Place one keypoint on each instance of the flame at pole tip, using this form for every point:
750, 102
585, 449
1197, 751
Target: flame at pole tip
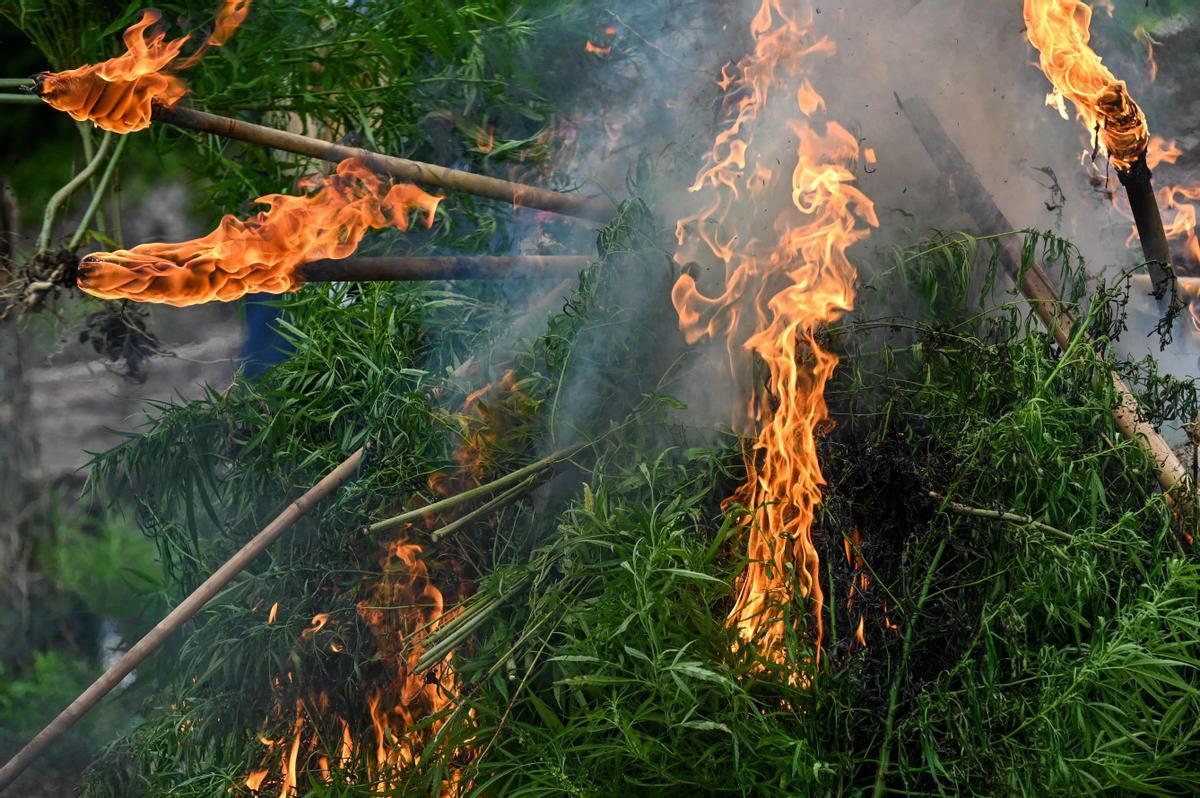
1060, 30
118, 94
264, 252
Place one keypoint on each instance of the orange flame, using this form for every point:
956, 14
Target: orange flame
118, 94
485, 139
401, 608
1060, 31
264, 252
779, 289
859, 583
229, 19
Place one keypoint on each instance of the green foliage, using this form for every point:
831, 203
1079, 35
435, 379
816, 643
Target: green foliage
111, 568
1048, 668
427, 82
625, 675
1020, 663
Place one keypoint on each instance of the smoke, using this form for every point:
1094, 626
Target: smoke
636, 84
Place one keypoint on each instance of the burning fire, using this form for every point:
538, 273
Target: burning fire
264, 252
858, 584
782, 283
118, 94
1061, 30
602, 45
402, 606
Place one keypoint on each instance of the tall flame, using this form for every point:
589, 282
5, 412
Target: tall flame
118, 94
782, 282
1061, 31
264, 252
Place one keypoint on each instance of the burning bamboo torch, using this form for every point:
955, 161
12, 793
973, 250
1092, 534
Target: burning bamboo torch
127, 93
1060, 31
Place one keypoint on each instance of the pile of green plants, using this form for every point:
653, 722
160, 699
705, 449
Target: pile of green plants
1001, 657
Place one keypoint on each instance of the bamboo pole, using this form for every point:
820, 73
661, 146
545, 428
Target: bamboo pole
450, 267
1036, 286
505, 481
399, 168
156, 637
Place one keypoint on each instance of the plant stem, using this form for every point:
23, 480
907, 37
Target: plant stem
482, 510
70, 188
475, 493
999, 515
89, 152
894, 692
98, 195
15, 83
448, 637
19, 99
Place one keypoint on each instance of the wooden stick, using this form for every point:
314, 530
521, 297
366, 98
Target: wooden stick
399, 168
1011, 518
155, 638
1036, 286
1139, 188
450, 267
505, 481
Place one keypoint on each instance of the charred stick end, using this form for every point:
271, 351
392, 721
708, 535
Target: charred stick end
1157, 252
38, 87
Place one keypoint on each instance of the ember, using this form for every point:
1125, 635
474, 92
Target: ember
264, 252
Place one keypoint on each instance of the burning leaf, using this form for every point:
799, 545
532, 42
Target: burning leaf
118, 94
264, 252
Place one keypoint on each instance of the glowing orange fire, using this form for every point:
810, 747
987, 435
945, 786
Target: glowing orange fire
402, 606
1061, 30
118, 94
782, 282
858, 584
264, 252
